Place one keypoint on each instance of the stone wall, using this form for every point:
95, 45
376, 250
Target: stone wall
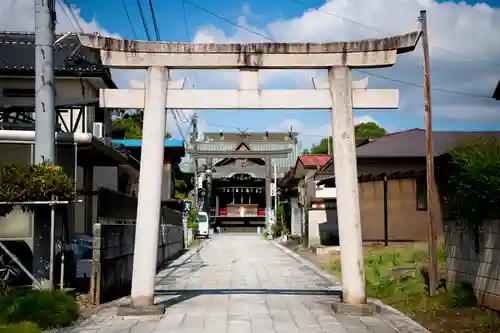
476, 262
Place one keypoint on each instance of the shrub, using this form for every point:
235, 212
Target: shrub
278, 229
25, 327
462, 296
192, 222
472, 188
47, 309
39, 182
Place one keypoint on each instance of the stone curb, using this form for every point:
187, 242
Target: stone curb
336, 282
182, 259
321, 272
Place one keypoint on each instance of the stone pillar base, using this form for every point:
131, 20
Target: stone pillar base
150, 310
368, 309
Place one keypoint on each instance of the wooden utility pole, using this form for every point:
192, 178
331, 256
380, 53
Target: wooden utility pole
194, 141
433, 264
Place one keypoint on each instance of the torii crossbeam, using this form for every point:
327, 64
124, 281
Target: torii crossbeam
341, 96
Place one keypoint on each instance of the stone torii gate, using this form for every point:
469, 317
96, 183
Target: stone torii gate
340, 97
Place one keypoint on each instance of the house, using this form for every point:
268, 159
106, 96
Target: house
173, 152
392, 183
82, 144
293, 188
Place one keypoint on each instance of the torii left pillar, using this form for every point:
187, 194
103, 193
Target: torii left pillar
150, 188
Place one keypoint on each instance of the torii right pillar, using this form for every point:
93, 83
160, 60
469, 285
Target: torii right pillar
348, 214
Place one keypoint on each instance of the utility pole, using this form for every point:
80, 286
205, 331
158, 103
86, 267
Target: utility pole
194, 141
45, 122
45, 114
433, 264
275, 193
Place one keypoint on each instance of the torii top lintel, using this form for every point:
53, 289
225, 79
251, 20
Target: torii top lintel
121, 53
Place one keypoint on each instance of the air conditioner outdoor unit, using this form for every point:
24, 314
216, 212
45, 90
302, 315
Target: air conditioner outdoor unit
98, 130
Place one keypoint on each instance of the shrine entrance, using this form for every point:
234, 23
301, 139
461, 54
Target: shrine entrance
341, 96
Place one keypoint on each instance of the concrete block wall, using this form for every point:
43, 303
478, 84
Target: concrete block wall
479, 267
113, 257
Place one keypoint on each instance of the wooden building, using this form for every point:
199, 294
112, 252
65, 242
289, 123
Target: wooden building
392, 184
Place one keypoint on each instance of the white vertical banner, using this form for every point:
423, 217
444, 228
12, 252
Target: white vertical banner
273, 189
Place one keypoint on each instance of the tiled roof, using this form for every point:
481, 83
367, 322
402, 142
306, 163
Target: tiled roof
411, 143
314, 160
496, 93
17, 52
250, 137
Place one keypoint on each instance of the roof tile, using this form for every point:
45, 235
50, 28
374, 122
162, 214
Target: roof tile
411, 143
314, 160
18, 54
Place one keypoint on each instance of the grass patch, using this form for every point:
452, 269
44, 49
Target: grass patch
20, 328
397, 275
45, 309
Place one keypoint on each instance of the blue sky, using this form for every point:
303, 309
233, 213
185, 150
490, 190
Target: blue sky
452, 111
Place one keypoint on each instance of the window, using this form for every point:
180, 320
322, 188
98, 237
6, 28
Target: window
202, 218
421, 193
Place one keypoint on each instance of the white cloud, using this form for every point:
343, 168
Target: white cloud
323, 131
466, 29
471, 30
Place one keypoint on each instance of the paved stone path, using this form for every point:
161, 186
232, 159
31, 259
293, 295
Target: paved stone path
244, 284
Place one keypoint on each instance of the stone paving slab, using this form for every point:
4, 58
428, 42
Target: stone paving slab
240, 283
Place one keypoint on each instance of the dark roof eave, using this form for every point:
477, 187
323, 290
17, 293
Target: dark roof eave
104, 75
496, 93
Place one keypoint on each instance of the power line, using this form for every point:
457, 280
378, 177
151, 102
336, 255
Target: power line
360, 71
186, 24
72, 13
155, 24
67, 16
229, 21
387, 32
143, 20
421, 86
129, 19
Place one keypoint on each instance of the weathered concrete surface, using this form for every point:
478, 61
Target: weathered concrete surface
402, 43
370, 53
242, 283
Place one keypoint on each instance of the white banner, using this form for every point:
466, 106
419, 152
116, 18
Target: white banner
273, 189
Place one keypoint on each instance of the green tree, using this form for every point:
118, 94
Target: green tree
128, 125
362, 132
322, 147
369, 130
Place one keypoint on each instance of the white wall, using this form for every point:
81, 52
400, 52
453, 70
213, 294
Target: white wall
326, 192
68, 90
